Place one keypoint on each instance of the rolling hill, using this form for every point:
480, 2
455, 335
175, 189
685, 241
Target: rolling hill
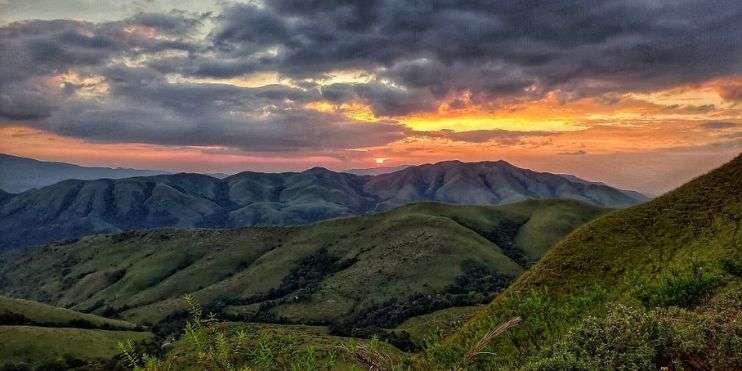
19, 174
75, 208
654, 285
42, 335
366, 271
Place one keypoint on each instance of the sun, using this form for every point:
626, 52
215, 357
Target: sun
380, 160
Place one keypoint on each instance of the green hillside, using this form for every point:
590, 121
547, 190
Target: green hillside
29, 312
654, 285
42, 345
367, 271
37, 334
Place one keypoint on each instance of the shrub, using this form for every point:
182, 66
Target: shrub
630, 338
683, 287
212, 345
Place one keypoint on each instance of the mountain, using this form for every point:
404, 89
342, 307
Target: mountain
655, 285
49, 337
377, 170
486, 183
365, 271
18, 174
4, 196
630, 193
75, 208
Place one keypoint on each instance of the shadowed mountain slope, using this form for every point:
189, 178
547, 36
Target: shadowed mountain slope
75, 208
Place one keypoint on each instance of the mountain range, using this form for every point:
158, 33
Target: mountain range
18, 174
74, 208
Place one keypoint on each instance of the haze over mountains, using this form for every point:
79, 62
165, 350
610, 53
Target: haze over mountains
74, 208
18, 174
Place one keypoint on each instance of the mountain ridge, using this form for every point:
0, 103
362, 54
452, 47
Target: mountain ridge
74, 208
19, 174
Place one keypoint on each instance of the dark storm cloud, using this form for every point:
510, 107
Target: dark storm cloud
555, 44
176, 23
272, 131
417, 54
385, 100
149, 109
33, 52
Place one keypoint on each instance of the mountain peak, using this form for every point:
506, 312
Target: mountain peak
473, 163
318, 170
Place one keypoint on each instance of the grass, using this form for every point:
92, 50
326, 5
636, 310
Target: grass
209, 344
434, 326
38, 334
51, 316
600, 266
43, 344
140, 276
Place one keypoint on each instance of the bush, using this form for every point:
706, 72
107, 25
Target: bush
212, 345
476, 277
682, 287
637, 339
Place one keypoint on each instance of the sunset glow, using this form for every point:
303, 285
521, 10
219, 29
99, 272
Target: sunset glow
189, 92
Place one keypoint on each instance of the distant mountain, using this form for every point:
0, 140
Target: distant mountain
487, 183
18, 174
323, 273
75, 208
377, 170
4, 196
630, 193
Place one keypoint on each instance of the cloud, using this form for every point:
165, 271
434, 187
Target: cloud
560, 45
573, 153
417, 55
483, 136
716, 125
690, 108
731, 91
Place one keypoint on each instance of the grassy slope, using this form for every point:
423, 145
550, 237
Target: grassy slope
428, 327
39, 344
698, 222
417, 248
56, 317
278, 347
54, 333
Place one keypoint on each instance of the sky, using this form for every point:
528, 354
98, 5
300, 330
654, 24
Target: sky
639, 94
